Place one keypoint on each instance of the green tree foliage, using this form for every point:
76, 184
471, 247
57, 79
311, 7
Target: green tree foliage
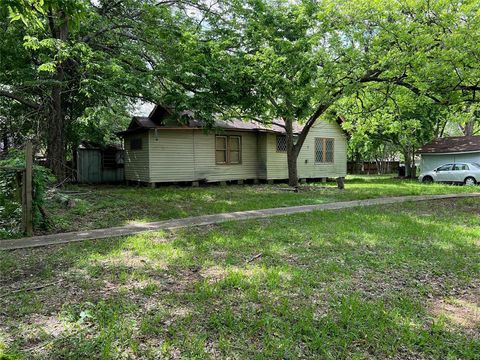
281, 60
10, 193
397, 118
66, 61
272, 60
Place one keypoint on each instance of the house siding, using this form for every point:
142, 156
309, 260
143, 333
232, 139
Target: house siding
262, 156
137, 161
307, 168
206, 168
189, 155
171, 155
432, 161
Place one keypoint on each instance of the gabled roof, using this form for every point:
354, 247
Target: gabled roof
160, 118
454, 144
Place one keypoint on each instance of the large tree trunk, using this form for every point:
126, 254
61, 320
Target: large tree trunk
409, 164
292, 168
408, 169
56, 141
292, 155
56, 148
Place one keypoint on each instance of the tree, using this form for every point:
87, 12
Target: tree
404, 121
68, 56
282, 61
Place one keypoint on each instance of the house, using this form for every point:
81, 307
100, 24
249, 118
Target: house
449, 150
159, 149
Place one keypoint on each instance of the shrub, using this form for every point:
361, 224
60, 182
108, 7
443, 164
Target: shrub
10, 193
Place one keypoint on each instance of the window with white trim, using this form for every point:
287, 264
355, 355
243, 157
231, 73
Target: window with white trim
324, 149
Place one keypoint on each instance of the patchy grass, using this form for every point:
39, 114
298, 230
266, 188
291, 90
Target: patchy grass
106, 206
397, 281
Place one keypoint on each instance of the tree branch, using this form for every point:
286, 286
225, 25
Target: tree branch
21, 100
90, 37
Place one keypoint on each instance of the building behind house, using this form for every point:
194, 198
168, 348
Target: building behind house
449, 150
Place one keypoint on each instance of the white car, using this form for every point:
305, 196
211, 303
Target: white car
465, 173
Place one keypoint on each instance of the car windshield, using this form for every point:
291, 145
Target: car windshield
476, 165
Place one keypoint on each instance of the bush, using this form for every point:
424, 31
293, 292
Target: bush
10, 194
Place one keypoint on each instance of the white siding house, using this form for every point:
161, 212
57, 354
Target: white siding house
158, 150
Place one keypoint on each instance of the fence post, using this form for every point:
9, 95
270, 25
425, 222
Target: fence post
27, 189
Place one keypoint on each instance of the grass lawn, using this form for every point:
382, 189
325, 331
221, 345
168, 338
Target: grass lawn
398, 281
105, 206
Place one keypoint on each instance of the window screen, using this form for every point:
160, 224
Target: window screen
329, 150
281, 143
221, 149
324, 150
234, 149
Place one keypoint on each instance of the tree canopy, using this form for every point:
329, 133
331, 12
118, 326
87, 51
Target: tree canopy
69, 65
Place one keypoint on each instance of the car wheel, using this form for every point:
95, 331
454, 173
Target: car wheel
427, 180
470, 181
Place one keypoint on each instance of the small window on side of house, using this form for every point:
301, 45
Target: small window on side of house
324, 150
234, 149
220, 149
136, 144
281, 143
228, 149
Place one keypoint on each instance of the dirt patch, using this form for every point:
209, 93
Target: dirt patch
214, 274
462, 310
127, 259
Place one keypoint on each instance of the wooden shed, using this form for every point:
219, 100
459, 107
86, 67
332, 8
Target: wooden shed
97, 164
158, 149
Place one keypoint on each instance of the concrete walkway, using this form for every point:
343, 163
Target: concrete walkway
208, 219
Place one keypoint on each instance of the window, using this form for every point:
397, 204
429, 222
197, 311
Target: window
460, 167
234, 149
109, 159
136, 144
221, 149
112, 158
281, 143
228, 149
324, 148
446, 167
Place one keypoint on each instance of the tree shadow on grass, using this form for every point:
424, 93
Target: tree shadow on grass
313, 290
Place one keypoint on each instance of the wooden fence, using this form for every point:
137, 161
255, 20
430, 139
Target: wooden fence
373, 167
25, 187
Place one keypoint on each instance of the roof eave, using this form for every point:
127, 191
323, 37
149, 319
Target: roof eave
447, 152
